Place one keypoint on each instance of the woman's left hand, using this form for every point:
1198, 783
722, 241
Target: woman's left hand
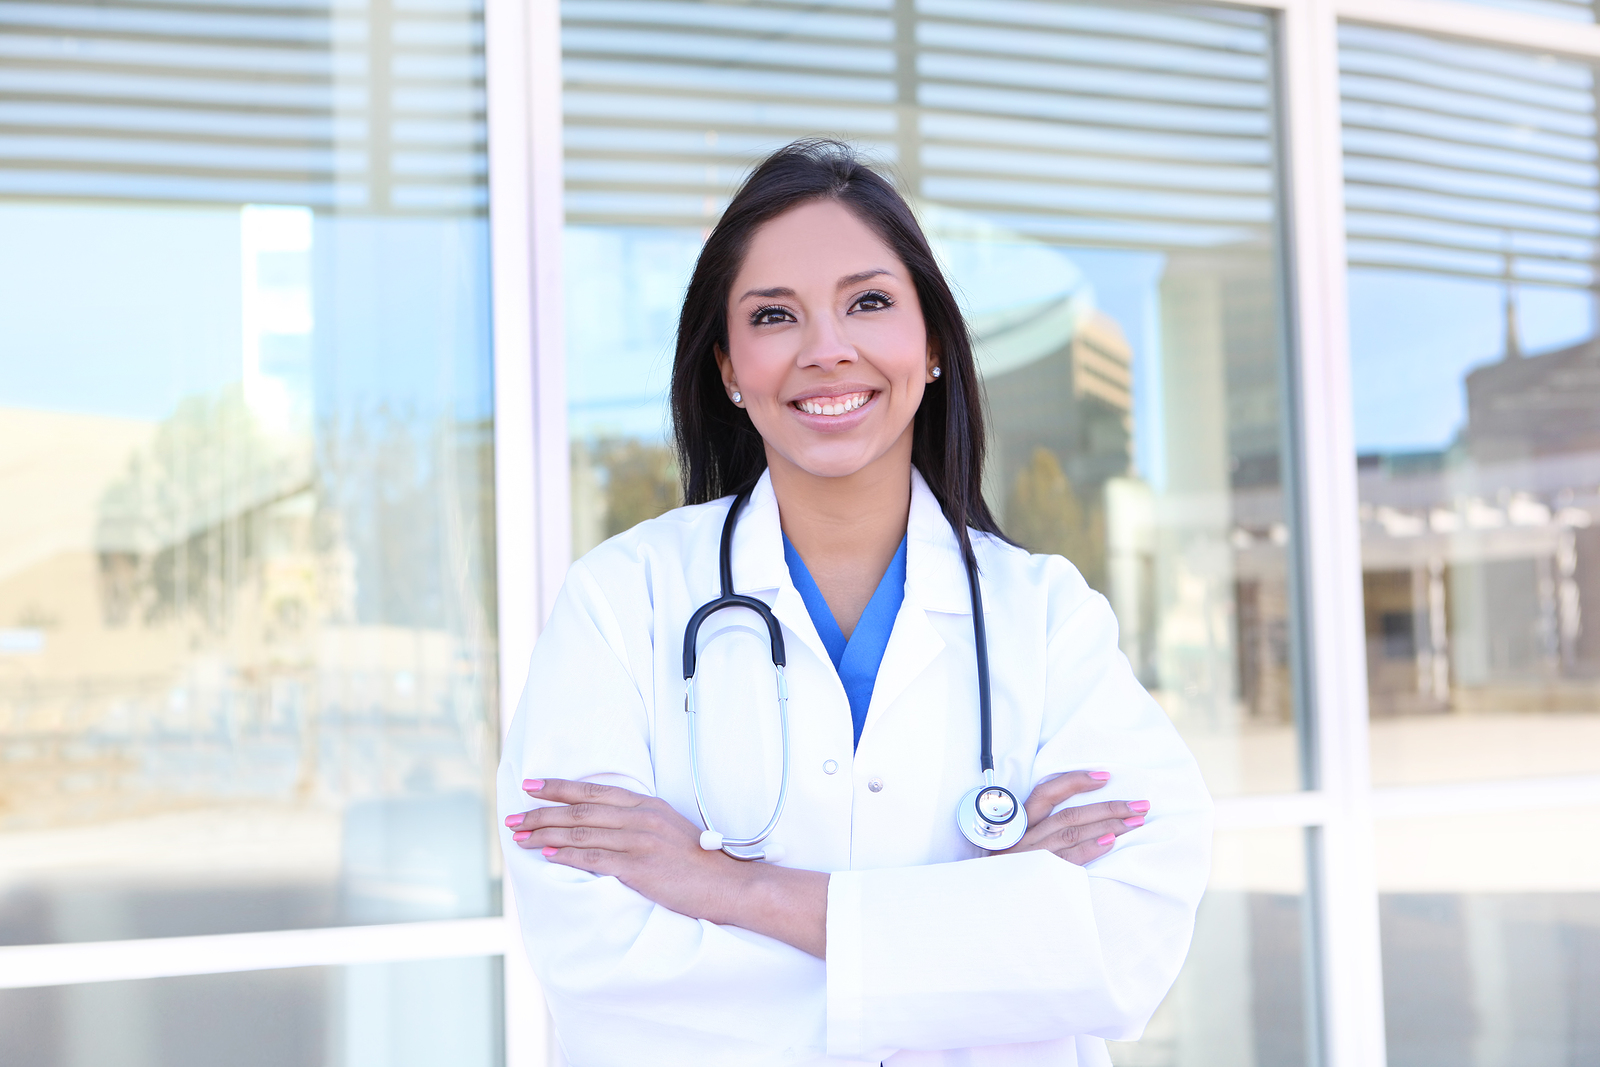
640, 840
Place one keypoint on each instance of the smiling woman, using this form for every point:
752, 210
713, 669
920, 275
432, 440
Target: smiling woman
874, 926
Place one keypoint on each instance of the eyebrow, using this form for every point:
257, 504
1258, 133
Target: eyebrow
844, 283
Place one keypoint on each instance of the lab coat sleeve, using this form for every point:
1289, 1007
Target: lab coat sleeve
1029, 947
619, 973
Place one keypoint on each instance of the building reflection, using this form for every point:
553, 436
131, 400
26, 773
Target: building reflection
1481, 559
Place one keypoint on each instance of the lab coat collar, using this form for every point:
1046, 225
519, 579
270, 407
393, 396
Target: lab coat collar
936, 576
936, 581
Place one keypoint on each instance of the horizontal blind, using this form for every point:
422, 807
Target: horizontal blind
1126, 125
374, 106
1469, 161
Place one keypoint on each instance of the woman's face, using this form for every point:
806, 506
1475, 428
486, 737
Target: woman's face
826, 343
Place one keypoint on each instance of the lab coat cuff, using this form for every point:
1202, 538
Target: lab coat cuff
846, 967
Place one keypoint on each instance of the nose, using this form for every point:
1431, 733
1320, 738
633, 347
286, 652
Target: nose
823, 345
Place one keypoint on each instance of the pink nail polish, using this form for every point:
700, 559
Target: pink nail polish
1106, 840
1137, 820
1100, 776
1141, 806
532, 785
549, 850
514, 820
522, 835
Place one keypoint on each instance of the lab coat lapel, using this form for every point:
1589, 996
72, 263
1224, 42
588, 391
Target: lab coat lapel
759, 568
936, 581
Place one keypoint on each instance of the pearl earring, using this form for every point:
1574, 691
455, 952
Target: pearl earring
936, 372
736, 396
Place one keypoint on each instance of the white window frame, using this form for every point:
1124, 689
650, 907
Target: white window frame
533, 529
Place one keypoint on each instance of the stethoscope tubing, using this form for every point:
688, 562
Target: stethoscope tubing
712, 839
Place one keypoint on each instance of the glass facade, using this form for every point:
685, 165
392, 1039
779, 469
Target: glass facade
1471, 190
247, 637
1245, 996
1491, 962
416, 1014
1100, 183
248, 601
1471, 182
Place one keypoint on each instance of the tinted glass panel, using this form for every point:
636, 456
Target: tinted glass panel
1243, 996
1099, 180
1471, 186
374, 1015
1485, 963
246, 567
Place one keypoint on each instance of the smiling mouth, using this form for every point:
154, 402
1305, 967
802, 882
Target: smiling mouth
833, 405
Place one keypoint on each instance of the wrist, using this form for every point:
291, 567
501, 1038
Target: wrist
740, 889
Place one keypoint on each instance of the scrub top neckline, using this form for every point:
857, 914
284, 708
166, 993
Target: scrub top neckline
857, 658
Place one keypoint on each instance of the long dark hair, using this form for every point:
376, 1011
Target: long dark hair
719, 449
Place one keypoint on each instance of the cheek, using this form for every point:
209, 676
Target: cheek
759, 364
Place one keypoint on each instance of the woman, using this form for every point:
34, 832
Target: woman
823, 364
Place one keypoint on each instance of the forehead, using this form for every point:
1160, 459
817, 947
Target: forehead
817, 242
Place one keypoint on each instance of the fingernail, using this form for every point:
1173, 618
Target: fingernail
1137, 820
1140, 806
1100, 776
1106, 840
549, 850
532, 785
522, 835
514, 820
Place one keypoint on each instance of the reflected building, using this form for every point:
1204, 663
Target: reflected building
1481, 561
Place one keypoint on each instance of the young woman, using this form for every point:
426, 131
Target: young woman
823, 367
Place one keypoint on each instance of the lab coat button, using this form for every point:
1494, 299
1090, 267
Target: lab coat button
875, 784
829, 766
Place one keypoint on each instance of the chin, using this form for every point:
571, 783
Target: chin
833, 462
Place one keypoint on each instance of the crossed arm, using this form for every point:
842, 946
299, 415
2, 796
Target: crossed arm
653, 850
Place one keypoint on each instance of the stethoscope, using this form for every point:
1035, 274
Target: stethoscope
988, 815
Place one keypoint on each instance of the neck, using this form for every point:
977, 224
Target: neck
846, 529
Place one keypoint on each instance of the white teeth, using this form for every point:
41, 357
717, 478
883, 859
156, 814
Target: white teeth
813, 407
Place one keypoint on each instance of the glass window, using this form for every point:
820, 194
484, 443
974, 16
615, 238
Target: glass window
1470, 185
1099, 179
418, 1014
1244, 996
1491, 957
247, 642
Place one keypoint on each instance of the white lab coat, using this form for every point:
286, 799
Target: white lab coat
934, 955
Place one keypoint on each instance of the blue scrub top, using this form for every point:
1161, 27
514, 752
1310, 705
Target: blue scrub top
857, 660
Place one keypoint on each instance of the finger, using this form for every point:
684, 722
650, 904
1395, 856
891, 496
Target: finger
593, 860
583, 813
1088, 851
578, 837
564, 791
1072, 836
1052, 791
1087, 813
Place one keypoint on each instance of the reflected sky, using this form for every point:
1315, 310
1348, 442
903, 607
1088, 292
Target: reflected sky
125, 310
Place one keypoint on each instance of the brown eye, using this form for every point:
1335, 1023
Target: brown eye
873, 301
768, 316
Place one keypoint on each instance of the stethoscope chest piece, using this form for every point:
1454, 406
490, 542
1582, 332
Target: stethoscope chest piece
990, 817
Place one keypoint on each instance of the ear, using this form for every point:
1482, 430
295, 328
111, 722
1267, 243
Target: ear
933, 362
725, 368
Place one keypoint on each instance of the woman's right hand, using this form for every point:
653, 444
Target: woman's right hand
1080, 833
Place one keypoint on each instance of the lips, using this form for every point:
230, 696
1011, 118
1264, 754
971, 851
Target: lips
841, 404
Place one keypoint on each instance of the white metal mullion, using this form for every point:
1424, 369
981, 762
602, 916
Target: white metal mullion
1478, 22
1352, 1024
523, 58
1476, 798
29, 966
